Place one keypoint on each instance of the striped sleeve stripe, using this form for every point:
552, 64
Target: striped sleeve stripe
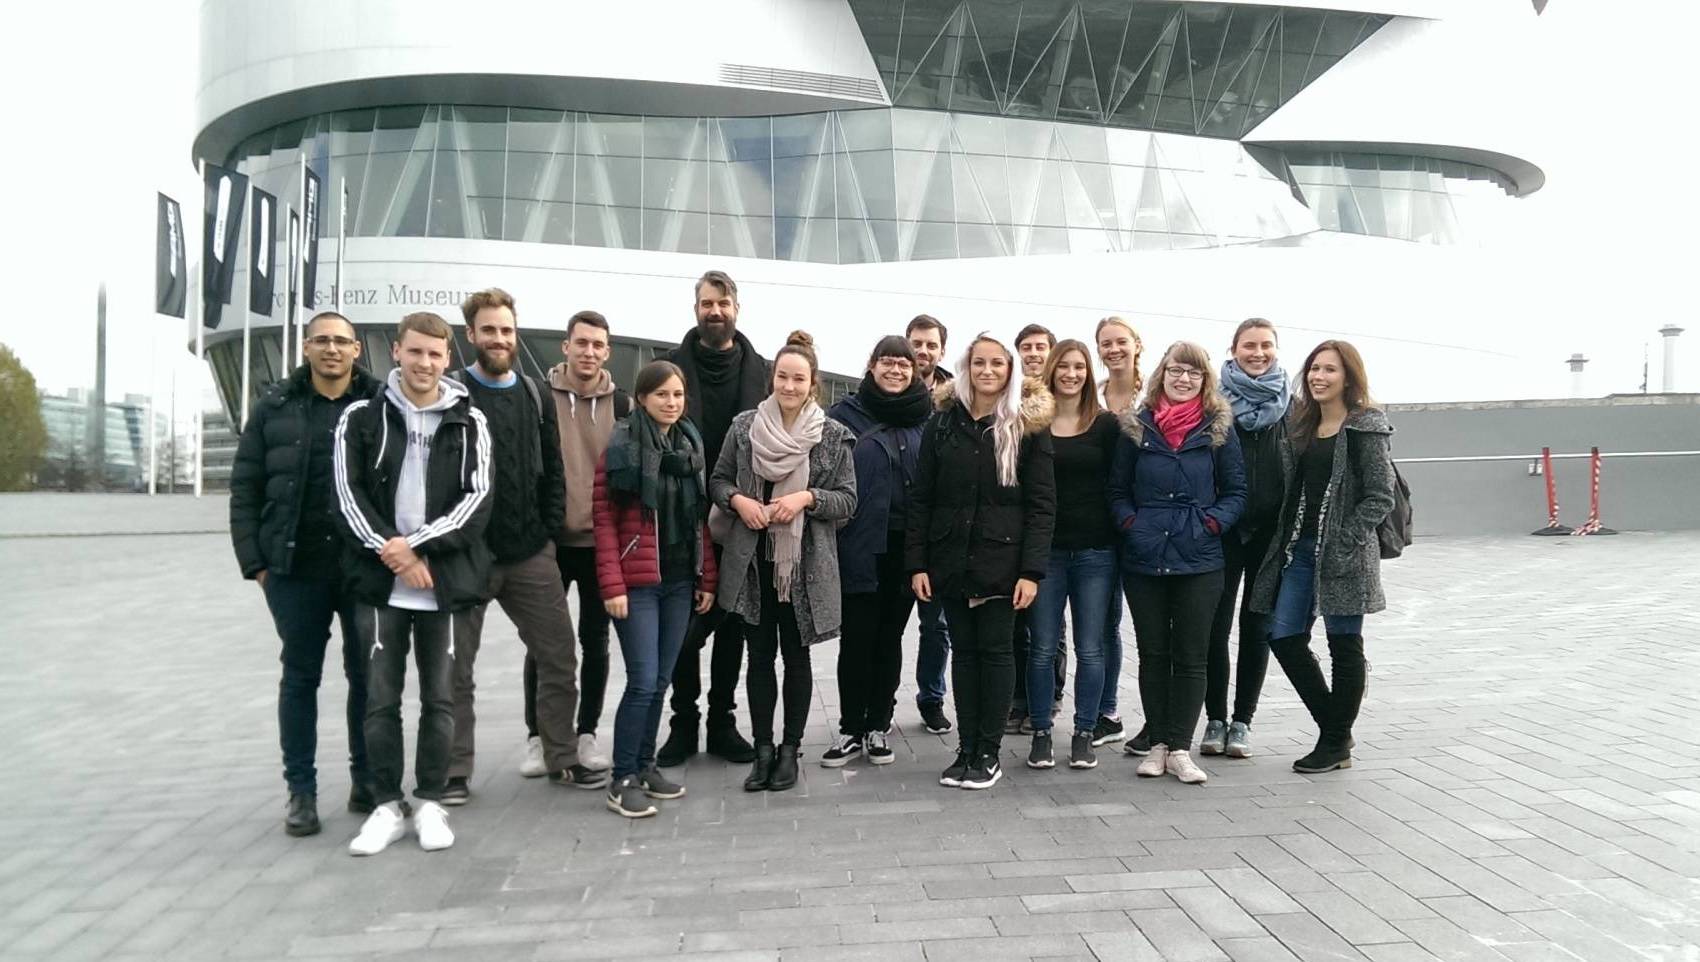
463, 511
344, 494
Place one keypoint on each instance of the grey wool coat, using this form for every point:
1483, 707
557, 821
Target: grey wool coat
1358, 497
832, 479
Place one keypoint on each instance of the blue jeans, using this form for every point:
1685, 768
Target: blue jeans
1112, 656
1084, 581
303, 608
651, 635
933, 654
1295, 603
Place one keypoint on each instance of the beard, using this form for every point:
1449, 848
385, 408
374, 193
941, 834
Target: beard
498, 365
716, 333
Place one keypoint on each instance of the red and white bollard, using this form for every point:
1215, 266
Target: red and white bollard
1593, 525
1553, 527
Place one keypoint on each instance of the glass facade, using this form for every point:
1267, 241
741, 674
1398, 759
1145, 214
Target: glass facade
1215, 69
844, 187
1419, 199
68, 452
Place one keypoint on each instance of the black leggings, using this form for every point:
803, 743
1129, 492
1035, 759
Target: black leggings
982, 669
1253, 659
870, 655
775, 638
1171, 621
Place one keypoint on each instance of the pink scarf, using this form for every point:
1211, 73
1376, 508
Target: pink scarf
1176, 421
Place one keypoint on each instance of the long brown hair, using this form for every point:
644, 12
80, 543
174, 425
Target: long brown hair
1209, 391
1307, 413
1089, 406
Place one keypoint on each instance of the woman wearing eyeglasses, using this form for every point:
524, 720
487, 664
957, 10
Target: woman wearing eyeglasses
1176, 486
886, 414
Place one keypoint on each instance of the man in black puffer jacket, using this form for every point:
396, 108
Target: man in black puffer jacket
283, 523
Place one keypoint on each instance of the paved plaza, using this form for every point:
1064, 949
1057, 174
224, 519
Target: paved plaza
1527, 788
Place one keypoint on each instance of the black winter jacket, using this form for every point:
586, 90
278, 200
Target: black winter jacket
268, 482
371, 447
971, 535
1266, 490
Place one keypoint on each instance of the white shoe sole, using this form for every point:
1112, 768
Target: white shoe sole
1103, 740
1043, 764
1091, 764
1238, 753
436, 846
528, 771
826, 762
997, 776
1208, 748
358, 851
885, 759
614, 807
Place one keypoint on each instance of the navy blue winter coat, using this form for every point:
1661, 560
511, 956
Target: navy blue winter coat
1161, 497
886, 457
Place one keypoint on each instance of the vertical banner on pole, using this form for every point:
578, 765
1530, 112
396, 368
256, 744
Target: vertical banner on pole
341, 235
290, 313
171, 282
226, 195
311, 204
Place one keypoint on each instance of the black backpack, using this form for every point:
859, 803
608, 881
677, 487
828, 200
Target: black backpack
1395, 530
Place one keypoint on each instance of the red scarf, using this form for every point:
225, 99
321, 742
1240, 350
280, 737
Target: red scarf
1176, 421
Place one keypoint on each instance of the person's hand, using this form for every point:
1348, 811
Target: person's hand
750, 512
922, 586
1025, 590
705, 601
788, 507
260, 577
616, 607
398, 555
416, 575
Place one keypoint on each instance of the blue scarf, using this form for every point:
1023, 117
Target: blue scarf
1258, 401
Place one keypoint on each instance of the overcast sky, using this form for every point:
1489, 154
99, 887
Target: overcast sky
102, 116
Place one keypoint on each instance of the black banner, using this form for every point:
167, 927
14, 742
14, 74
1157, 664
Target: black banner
311, 202
226, 196
171, 285
294, 261
262, 262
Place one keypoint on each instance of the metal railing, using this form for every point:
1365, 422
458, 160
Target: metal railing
1537, 456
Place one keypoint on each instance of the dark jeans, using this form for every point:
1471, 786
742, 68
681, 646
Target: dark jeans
1084, 581
774, 639
1295, 602
725, 665
578, 565
932, 656
1021, 643
1253, 662
870, 653
432, 636
1107, 706
650, 637
983, 670
1171, 621
531, 595
302, 609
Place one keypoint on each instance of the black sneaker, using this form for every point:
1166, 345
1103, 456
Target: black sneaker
680, 745
724, 742
877, 748
1107, 730
1139, 744
626, 797
984, 773
657, 785
842, 750
1040, 755
932, 716
302, 818
579, 777
456, 792
952, 777
1080, 753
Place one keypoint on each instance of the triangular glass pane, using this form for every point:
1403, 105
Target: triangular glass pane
1207, 27
1105, 25
928, 83
447, 215
923, 186
1246, 49
994, 29
1178, 110
991, 180
1024, 175
1048, 209
1078, 99
1036, 90
1151, 37
1149, 214
971, 206
1300, 30
873, 173
978, 86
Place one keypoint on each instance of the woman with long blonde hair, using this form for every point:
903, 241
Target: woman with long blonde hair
1176, 487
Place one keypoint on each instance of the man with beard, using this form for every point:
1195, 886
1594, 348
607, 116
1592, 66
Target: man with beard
283, 522
528, 507
724, 376
926, 338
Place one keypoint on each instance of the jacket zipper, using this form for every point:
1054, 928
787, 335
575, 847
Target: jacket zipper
630, 547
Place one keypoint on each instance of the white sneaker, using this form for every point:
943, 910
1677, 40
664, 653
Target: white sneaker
532, 766
591, 755
385, 825
1180, 765
431, 824
1151, 766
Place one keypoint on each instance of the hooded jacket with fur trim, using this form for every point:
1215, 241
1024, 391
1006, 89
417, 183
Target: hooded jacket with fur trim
972, 535
1172, 506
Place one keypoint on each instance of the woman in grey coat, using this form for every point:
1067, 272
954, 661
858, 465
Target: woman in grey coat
1338, 469
786, 476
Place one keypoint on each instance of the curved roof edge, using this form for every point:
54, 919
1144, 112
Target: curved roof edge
1527, 177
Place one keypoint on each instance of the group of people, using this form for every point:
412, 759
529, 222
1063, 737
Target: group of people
721, 499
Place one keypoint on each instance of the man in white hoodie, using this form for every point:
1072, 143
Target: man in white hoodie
412, 472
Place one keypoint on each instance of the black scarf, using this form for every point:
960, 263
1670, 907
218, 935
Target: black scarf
904, 409
717, 366
664, 469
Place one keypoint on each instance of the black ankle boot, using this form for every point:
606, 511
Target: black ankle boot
725, 742
784, 769
760, 778
1329, 754
1294, 654
680, 745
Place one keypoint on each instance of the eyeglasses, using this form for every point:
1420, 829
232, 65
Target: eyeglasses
326, 340
894, 363
1181, 373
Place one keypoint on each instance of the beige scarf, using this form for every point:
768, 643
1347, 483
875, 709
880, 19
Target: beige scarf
782, 456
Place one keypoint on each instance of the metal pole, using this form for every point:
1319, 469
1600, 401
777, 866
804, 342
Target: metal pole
341, 234
200, 343
301, 267
153, 388
247, 319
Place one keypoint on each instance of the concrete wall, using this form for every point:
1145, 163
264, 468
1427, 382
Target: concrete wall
1643, 494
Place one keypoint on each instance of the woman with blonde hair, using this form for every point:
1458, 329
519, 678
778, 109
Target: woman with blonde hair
1119, 350
979, 537
1176, 487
